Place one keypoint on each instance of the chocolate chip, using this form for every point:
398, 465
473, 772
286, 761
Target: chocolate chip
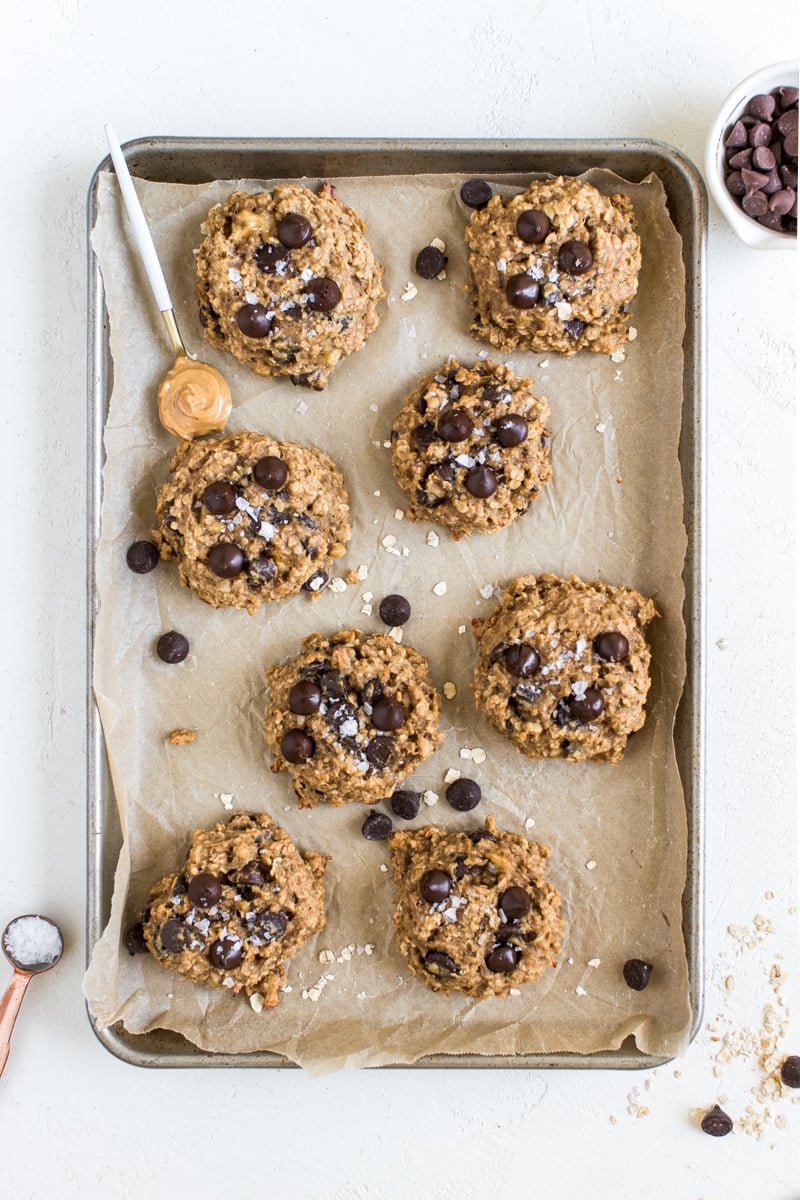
783, 201
269, 258
575, 258
252, 874
514, 903
790, 1071
435, 886
323, 294
521, 660
754, 169
463, 795
511, 429
756, 204
430, 262
481, 835
220, 497
574, 328
270, 925
142, 557
760, 134
388, 714
378, 751
294, 230
533, 225
611, 646
254, 320
297, 746
476, 193
305, 697
763, 158
737, 138
786, 97
716, 1122
226, 560
437, 963
377, 827
394, 610
762, 106
172, 647
315, 582
503, 958
454, 424
522, 291
587, 707
173, 936
425, 434
481, 482
204, 890
637, 974
264, 567
271, 473
134, 939
226, 953
406, 804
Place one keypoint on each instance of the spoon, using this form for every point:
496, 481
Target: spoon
31, 944
193, 397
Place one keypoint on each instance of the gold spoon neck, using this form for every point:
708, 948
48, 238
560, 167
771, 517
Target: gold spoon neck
174, 333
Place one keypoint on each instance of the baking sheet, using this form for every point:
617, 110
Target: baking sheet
138, 447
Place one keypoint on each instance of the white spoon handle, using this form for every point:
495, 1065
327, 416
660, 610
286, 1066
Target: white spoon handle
141, 233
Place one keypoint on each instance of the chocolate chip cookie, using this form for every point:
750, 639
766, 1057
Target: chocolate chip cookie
244, 901
351, 717
287, 282
250, 519
564, 668
474, 912
470, 447
553, 268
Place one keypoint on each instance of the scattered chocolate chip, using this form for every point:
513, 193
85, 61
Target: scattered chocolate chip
790, 1071
454, 424
481, 482
378, 751
463, 794
476, 193
521, 660
172, 647
134, 939
254, 320
522, 291
406, 804
323, 294
294, 230
204, 890
142, 557
394, 610
716, 1122
297, 746
270, 473
533, 226
511, 429
587, 707
387, 714
611, 646
436, 962
575, 258
435, 886
220, 497
503, 958
269, 258
637, 974
514, 903
226, 953
430, 262
377, 827
172, 936
226, 560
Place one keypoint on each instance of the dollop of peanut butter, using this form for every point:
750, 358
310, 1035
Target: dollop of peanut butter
193, 399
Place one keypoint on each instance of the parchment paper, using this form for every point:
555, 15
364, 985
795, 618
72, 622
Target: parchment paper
613, 511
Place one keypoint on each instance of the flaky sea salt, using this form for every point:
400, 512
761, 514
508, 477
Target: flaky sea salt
32, 942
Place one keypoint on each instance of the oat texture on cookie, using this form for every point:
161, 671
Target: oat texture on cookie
287, 282
474, 911
553, 268
563, 666
470, 447
250, 519
351, 717
244, 902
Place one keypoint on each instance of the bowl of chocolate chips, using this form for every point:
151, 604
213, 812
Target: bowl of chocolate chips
751, 158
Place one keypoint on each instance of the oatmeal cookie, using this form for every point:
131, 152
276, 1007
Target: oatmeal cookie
470, 447
553, 268
287, 282
351, 717
244, 901
563, 667
474, 912
251, 519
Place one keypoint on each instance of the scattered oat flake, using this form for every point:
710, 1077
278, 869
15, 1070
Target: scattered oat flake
384, 868
633, 333
601, 428
363, 571
367, 597
618, 377
396, 634
544, 363
529, 822
730, 983
452, 775
409, 292
326, 956
478, 755
257, 1002
432, 538
366, 610
594, 962
438, 244
430, 797
449, 690
591, 864
618, 356
226, 800
514, 992
399, 514
337, 584
388, 541
181, 737
440, 588
580, 991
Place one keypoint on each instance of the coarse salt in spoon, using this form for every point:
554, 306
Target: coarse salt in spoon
193, 397
31, 944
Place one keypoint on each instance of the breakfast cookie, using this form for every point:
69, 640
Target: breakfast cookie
553, 268
563, 667
470, 448
244, 901
251, 519
287, 282
351, 717
474, 912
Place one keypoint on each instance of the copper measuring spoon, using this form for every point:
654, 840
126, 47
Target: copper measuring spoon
31, 944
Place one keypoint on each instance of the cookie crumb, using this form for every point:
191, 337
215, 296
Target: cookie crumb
226, 800
302, 408
409, 292
449, 690
257, 1002
181, 737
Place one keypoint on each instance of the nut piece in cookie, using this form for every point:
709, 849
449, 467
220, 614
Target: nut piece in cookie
469, 447
244, 901
564, 668
553, 268
251, 519
287, 282
474, 912
351, 717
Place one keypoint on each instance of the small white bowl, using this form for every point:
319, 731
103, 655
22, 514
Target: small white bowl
783, 74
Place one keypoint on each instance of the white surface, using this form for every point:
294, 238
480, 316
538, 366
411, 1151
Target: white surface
74, 1122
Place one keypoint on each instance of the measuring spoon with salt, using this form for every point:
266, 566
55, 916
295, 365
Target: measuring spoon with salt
31, 944
193, 397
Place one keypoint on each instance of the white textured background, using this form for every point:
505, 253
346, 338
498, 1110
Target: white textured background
74, 1122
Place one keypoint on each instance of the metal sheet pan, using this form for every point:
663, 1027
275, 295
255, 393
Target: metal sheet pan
198, 160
